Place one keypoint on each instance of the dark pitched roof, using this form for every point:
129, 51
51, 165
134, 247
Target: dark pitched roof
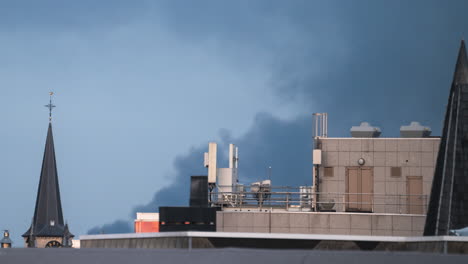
48, 217
67, 233
448, 204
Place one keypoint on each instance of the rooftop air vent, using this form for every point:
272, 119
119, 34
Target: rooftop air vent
365, 130
415, 130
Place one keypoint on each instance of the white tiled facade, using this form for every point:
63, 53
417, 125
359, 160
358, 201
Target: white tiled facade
370, 224
414, 157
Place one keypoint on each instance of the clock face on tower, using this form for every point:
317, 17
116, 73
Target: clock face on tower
53, 244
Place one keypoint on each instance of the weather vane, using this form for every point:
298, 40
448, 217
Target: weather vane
50, 106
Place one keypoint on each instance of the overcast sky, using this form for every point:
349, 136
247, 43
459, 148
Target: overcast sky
142, 86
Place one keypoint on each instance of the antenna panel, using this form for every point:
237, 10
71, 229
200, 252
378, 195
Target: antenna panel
206, 159
212, 155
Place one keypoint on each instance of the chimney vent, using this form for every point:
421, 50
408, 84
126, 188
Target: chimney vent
365, 130
415, 130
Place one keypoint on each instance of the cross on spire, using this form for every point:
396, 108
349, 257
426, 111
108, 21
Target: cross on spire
50, 106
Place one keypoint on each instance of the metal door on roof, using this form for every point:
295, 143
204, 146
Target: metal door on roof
359, 189
414, 190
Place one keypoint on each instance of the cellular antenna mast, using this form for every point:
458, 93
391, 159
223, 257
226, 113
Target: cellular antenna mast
50, 106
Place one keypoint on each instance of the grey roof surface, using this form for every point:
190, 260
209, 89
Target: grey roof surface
48, 205
225, 256
448, 204
289, 236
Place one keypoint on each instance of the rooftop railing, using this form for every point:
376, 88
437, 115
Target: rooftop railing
304, 199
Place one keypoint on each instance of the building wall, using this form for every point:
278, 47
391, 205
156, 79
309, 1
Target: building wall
146, 226
321, 223
146, 222
76, 243
415, 157
450, 245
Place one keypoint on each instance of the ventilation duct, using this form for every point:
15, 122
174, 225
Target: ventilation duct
365, 130
415, 130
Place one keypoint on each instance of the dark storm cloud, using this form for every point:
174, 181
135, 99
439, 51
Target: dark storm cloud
398, 68
390, 62
284, 145
119, 226
176, 194
384, 62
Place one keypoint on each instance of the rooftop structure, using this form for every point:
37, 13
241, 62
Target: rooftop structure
146, 222
415, 130
365, 130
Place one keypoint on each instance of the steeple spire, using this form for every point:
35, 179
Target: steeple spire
461, 69
48, 216
448, 204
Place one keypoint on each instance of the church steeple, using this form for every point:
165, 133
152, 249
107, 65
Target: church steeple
448, 205
48, 217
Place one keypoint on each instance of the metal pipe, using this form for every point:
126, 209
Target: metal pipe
323, 125
326, 124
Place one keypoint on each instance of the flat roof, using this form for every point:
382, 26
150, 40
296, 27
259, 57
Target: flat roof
278, 236
383, 138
